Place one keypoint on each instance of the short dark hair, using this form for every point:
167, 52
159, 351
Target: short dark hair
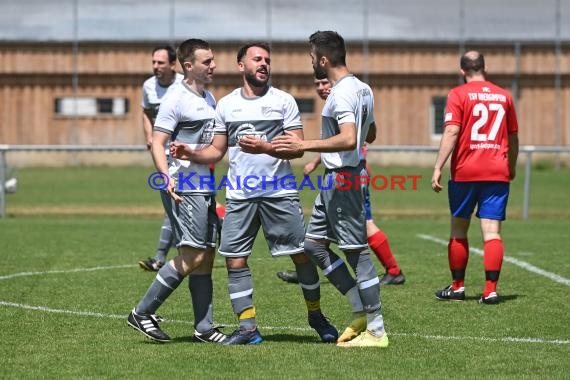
329, 44
169, 49
472, 62
243, 50
187, 49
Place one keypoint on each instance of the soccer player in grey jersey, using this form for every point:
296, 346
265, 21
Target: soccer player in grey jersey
246, 121
187, 115
338, 215
154, 90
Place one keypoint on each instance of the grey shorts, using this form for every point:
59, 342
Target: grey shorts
338, 214
280, 218
194, 221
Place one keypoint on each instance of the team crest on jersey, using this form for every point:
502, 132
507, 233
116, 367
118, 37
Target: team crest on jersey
266, 111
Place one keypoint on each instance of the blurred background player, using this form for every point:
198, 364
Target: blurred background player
154, 91
481, 130
377, 239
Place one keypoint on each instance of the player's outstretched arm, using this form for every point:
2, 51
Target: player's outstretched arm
209, 155
256, 146
345, 140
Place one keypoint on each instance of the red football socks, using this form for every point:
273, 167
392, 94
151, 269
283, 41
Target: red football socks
458, 256
381, 248
493, 252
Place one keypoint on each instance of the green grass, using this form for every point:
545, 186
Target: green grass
61, 323
73, 190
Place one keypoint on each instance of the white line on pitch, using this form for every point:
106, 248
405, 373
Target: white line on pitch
77, 270
485, 339
60, 311
522, 264
415, 335
24, 274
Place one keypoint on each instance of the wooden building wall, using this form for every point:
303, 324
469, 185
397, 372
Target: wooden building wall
404, 77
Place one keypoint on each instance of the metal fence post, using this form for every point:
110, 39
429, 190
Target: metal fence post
527, 171
2, 182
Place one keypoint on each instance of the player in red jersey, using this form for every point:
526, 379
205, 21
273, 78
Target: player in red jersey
481, 131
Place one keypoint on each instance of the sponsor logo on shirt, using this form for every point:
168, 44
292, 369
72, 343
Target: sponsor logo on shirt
487, 97
248, 129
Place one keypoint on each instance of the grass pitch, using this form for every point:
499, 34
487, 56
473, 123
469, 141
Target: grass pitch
69, 278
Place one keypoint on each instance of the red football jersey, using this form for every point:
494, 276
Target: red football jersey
486, 116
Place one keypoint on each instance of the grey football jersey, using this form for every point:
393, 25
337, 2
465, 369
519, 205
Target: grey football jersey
265, 117
189, 118
350, 101
154, 94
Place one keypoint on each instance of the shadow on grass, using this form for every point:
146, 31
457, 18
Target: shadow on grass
185, 339
502, 298
287, 338
276, 338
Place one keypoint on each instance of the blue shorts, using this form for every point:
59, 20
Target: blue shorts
367, 207
366, 189
490, 196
